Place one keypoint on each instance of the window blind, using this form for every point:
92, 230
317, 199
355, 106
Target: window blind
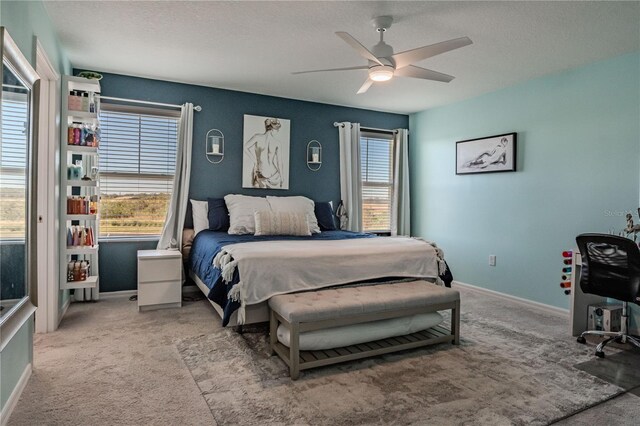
137, 164
13, 160
376, 154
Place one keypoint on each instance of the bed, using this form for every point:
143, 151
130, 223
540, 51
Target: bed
239, 273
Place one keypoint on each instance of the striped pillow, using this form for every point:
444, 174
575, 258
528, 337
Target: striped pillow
281, 223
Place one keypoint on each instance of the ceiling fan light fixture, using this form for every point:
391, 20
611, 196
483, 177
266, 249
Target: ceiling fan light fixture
381, 73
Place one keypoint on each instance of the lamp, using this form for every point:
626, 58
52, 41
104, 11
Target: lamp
381, 73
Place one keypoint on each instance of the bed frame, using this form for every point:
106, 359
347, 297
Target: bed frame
253, 313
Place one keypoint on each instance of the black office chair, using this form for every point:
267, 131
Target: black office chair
610, 268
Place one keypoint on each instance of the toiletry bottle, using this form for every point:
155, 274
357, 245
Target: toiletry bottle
70, 271
85, 102
92, 102
76, 134
70, 135
83, 134
76, 271
78, 169
92, 205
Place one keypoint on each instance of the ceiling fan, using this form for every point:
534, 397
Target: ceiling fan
384, 64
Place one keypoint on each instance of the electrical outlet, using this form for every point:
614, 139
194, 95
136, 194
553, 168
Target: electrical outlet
492, 260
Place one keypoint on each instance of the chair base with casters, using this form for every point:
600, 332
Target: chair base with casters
621, 336
610, 268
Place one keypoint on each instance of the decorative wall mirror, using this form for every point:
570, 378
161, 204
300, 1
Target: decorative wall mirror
17, 179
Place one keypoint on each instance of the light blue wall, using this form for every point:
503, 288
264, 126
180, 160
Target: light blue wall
578, 168
14, 358
24, 20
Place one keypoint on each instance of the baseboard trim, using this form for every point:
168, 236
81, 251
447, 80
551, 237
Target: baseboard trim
188, 289
65, 307
15, 395
529, 303
117, 294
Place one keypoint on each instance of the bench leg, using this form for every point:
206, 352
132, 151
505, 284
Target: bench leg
273, 332
455, 323
294, 350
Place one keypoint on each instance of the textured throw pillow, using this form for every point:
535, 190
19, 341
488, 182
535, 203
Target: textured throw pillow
218, 215
199, 212
281, 223
241, 209
296, 204
324, 214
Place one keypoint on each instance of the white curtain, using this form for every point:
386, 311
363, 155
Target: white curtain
172, 231
350, 178
400, 203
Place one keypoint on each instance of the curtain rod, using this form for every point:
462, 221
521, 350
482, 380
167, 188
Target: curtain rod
197, 107
370, 129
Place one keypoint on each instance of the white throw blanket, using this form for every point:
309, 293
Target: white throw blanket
269, 268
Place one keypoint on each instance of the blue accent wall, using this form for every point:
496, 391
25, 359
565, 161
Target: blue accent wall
224, 110
578, 168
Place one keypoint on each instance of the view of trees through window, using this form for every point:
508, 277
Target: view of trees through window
376, 152
137, 164
13, 157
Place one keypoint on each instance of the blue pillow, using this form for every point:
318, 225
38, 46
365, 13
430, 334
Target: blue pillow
218, 215
324, 214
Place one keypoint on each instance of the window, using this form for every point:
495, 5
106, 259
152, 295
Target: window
376, 155
13, 160
137, 164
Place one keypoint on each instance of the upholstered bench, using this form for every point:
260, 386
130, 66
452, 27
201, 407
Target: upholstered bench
344, 306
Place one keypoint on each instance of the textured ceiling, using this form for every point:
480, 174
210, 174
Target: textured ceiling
254, 46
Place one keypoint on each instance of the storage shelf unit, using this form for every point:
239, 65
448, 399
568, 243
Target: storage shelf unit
88, 155
90, 282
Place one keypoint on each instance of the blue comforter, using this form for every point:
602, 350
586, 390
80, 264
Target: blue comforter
208, 243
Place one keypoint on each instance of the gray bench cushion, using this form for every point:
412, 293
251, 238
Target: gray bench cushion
350, 301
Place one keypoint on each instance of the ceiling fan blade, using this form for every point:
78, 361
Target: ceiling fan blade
365, 86
363, 51
412, 56
417, 72
363, 67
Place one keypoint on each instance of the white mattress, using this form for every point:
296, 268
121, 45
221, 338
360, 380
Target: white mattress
360, 333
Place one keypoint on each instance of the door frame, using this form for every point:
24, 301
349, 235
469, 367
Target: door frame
48, 164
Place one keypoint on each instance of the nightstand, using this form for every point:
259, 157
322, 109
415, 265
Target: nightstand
159, 279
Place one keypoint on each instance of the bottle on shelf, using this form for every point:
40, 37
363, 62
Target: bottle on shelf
85, 102
77, 134
75, 101
93, 205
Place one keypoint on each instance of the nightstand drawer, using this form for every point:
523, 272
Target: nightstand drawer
159, 293
151, 270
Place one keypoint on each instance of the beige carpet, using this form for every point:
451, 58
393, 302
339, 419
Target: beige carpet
107, 364
110, 365
504, 372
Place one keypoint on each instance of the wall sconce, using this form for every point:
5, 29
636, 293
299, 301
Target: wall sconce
314, 155
214, 146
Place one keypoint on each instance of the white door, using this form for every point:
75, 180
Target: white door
47, 189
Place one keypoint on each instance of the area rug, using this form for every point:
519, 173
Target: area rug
501, 374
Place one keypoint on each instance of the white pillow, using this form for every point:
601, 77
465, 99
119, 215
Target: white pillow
281, 223
200, 212
297, 204
241, 209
